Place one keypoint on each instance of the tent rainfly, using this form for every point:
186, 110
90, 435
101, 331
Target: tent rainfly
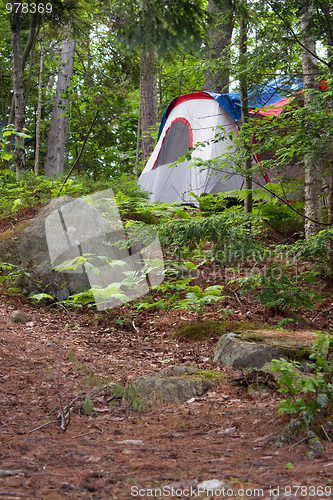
199, 118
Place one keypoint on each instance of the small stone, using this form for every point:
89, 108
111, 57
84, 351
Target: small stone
315, 445
254, 389
212, 485
19, 317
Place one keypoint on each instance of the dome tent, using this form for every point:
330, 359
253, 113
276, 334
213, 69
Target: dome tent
195, 121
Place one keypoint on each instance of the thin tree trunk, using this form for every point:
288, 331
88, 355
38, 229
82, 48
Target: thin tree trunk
312, 169
18, 91
245, 110
148, 100
218, 80
29, 46
56, 146
39, 108
137, 154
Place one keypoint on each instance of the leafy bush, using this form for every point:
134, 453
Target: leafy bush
214, 203
231, 233
195, 299
281, 216
276, 288
310, 393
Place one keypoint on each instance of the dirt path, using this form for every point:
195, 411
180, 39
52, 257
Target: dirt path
117, 452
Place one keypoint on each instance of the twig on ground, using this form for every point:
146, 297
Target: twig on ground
324, 431
99, 430
8, 473
238, 298
41, 426
298, 442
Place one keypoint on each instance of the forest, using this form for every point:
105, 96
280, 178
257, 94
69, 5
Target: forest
206, 368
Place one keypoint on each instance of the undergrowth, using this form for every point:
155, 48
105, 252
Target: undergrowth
310, 394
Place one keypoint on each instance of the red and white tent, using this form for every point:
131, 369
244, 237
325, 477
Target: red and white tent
207, 122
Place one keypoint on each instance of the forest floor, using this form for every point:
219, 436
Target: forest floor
62, 356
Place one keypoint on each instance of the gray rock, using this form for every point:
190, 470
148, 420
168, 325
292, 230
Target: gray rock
232, 351
173, 383
255, 349
317, 448
176, 371
294, 429
62, 231
26, 247
19, 317
174, 389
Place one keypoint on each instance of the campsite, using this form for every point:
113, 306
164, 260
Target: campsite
166, 255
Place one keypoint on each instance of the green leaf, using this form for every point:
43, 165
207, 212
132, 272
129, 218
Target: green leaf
41, 296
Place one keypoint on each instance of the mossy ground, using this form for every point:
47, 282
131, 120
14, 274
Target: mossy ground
204, 330
211, 375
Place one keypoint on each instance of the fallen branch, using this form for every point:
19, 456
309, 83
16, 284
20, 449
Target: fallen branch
41, 426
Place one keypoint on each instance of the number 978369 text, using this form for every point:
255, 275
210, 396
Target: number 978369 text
27, 8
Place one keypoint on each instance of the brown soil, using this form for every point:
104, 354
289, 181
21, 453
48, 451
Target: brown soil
116, 451
61, 357
27, 213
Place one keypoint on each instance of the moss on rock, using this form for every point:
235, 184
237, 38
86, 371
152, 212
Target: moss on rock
204, 330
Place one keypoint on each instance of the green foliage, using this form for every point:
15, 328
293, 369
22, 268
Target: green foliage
10, 273
164, 25
114, 291
41, 297
214, 203
129, 394
88, 406
313, 248
5, 155
92, 379
281, 216
195, 299
276, 288
310, 393
231, 233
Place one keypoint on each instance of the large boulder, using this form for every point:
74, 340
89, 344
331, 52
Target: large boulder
77, 244
25, 246
176, 383
255, 349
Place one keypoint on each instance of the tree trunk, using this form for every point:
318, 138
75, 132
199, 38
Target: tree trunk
148, 100
39, 107
245, 109
218, 80
18, 90
29, 46
56, 145
137, 152
312, 171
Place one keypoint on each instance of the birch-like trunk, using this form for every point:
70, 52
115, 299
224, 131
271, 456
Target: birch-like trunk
148, 100
56, 145
18, 91
245, 110
27, 50
312, 168
39, 106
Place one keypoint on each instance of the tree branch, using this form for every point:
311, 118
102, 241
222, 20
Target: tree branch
296, 36
78, 158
